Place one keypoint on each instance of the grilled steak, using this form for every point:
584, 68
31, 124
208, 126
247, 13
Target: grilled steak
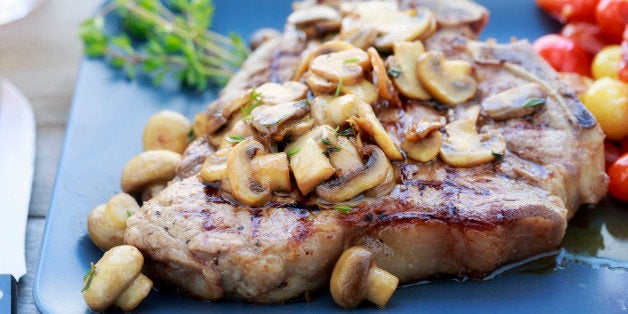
436, 220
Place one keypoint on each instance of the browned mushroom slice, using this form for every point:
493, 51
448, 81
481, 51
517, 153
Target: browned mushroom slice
364, 89
311, 14
403, 27
318, 109
271, 120
274, 94
342, 108
353, 183
347, 159
244, 187
215, 166
362, 36
325, 48
516, 102
272, 171
308, 161
423, 149
385, 88
383, 188
464, 147
402, 68
219, 112
449, 81
346, 66
368, 123
234, 133
421, 129
320, 85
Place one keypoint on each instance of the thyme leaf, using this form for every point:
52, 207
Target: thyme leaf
293, 151
533, 102
89, 276
235, 139
343, 208
394, 72
339, 87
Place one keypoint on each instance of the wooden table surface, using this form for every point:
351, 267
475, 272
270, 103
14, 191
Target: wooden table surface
40, 54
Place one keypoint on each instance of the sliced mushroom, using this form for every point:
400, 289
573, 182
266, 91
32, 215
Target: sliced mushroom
308, 161
368, 123
403, 27
346, 66
516, 102
449, 81
385, 88
272, 171
318, 109
423, 149
342, 108
215, 166
219, 112
274, 94
320, 85
464, 147
365, 89
313, 14
351, 184
325, 48
347, 159
383, 188
244, 187
362, 36
421, 129
271, 121
356, 278
233, 135
148, 168
402, 67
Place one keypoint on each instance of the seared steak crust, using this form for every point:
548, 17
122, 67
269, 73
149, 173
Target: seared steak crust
438, 220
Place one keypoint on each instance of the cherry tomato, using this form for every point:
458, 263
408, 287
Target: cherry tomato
586, 35
563, 54
569, 10
612, 17
611, 153
618, 175
607, 62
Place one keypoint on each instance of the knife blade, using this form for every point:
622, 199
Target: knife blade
17, 156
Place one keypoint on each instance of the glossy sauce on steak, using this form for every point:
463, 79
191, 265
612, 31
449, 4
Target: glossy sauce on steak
436, 219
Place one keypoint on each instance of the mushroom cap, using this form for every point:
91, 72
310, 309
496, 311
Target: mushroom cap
153, 166
349, 277
244, 187
449, 81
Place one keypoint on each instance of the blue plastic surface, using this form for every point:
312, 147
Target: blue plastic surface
105, 130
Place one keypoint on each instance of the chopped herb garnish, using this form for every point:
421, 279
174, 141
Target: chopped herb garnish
326, 142
498, 156
343, 208
235, 139
191, 135
89, 276
339, 87
346, 132
293, 151
394, 72
351, 60
255, 99
129, 213
330, 148
248, 117
532, 102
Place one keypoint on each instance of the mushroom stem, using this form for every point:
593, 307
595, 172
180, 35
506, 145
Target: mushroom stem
380, 286
134, 294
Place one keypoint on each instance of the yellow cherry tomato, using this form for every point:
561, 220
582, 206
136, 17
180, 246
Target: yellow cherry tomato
607, 99
606, 62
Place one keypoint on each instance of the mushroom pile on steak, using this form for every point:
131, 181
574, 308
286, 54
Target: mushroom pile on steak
378, 124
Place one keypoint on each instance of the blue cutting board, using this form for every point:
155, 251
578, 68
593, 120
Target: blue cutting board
105, 130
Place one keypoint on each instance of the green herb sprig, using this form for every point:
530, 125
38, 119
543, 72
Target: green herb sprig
255, 99
343, 208
89, 276
162, 39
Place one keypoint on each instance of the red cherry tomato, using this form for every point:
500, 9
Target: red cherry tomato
569, 10
563, 54
612, 17
586, 35
623, 67
611, 153
618, 174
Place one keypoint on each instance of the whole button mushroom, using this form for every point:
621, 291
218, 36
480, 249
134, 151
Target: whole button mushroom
106, 223
356, 278
116, 279
149, 168
167, 130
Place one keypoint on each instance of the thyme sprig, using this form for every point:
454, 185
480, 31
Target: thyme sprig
164, 38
